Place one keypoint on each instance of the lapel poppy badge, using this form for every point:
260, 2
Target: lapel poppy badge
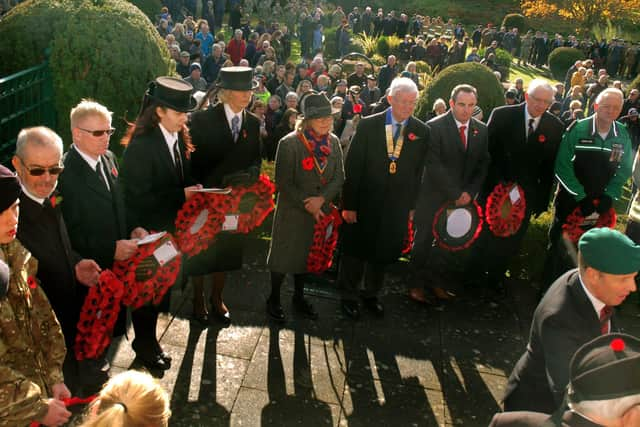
475, 132
412, 136
307, 163
244, 134
357, 108
114, 172
55, 201
542, 139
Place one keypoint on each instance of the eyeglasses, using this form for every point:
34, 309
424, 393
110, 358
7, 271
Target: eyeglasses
99, 133
39, 171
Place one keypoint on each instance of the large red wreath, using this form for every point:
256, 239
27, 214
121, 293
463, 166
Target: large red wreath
574, 226
252, 203
441, 242
147, 281
324, 243
192, 243
407, 244
98, 316
503, 216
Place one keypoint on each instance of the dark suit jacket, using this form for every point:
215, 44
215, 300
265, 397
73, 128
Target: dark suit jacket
43, 232
537, 419
451, 170
153, 189
563, 321
530, 162
95, 216
216, 153
382, 200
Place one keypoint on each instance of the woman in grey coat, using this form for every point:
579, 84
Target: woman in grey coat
309, 174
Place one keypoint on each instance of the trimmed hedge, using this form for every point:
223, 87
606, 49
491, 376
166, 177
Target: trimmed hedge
106, 50
490, 92
151, 8
514, 20
561, 59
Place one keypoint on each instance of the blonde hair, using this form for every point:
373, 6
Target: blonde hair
88, 108
130, 399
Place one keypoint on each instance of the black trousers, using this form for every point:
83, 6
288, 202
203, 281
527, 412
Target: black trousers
353, 271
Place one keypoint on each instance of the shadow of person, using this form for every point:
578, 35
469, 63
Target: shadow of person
302, 407
194, 401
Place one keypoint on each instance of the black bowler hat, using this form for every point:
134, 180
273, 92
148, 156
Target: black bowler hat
316, 105
9, 188
605, 368
173, 93
236, 78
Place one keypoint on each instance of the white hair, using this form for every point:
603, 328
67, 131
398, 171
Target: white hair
540, 83
609, 91
609, 409
40, 136
402, 85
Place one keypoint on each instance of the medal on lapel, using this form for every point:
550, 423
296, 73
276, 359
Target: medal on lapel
393, 150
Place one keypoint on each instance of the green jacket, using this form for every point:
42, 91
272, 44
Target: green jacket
587, 165
31, 343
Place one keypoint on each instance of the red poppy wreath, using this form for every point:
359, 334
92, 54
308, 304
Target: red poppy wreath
457, 238
98, 316
199, 221
577, 224
325, 240
505, 210
148, 277
252, 203
407, 244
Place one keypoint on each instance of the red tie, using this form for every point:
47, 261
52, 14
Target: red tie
463, 136
605, 315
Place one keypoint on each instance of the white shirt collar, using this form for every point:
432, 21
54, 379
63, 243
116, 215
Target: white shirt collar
170, 138
597, 304
229, 113
527, 116
90, 160
31, 196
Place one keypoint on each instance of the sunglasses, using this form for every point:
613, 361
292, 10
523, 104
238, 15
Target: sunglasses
99, 133
38, 171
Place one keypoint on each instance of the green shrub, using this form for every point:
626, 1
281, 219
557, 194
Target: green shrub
514, 20
378, 59
490, 92
423, 67
106, 50
382, 47
503, 60
635, 84
368, 44
151, 8
330, 43
561, 59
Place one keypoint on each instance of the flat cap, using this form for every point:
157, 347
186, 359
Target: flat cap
609, 251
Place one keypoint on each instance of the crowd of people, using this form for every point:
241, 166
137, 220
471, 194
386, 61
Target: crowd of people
345, 145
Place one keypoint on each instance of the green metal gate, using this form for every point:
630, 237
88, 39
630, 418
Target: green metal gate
26, 99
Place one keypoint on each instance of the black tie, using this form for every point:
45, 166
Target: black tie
178, 160
531, 129
101, 173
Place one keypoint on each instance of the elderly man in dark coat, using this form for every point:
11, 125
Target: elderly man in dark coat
383, 172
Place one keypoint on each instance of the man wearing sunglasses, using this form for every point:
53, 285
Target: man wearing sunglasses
42, 231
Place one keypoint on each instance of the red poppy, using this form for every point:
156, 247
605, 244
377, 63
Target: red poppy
252, 216
502, 214
192, 243
307, 163
574, 226
244, 134
32, 282
475, 132
324, 244
411, 136
114, 171
407, 243
55, 201
357, 108
617, 344
542, 139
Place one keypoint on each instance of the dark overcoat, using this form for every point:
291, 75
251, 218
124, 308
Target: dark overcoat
382, 200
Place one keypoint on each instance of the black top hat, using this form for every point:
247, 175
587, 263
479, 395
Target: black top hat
607, 367
173, 93
315, 105
236, 78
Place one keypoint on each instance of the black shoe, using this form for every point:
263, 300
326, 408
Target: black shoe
302, 306
275, 311
225, 318
201, 319
149, 355
351, 309
374, 306
163, 355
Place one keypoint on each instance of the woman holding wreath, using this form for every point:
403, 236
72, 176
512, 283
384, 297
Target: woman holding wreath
228, 141
156, 178
309, 174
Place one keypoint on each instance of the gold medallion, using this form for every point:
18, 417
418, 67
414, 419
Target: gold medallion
392, 167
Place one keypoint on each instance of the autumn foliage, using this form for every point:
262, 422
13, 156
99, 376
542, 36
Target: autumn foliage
584, 13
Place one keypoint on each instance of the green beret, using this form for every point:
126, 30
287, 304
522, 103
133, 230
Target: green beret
609, 251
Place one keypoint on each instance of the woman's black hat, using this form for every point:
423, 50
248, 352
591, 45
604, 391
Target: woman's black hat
236, 78
172, 93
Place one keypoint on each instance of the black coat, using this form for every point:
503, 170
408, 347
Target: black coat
382, 200
43, 232
95, 217
153, 189
530, 162
564, 320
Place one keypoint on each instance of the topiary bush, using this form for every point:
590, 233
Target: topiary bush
382, 47
503, 60
330, 43
106, 50
514, 20
151, 8
561, 59
490, 92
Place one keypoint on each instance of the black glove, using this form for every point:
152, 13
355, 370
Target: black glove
586, 206
605, 204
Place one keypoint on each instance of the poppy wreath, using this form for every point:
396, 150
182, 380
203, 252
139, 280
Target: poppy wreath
505, 218
324, 245
407, 244
98, 316
456, 244
574, 226
253, 203
193, 242
147, 281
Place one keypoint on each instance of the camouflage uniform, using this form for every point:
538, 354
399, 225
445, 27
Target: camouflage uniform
31, 343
